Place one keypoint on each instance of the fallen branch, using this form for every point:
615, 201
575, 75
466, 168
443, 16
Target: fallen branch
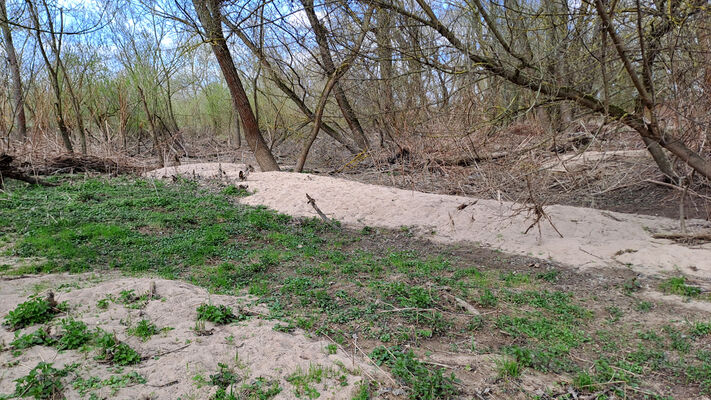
703, 236
318, 210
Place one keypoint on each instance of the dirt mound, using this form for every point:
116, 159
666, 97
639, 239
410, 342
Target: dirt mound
590, 238
178, 361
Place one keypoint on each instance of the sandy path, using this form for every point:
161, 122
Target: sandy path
591, 238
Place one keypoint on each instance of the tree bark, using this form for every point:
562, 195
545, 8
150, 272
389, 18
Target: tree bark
17, 96
210, 17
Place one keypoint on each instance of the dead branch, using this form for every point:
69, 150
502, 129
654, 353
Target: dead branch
318, 210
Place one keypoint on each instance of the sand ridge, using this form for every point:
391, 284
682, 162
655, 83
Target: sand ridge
591, 238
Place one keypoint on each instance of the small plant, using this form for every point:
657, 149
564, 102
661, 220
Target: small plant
701, 329
40, 337
644, 306
488, 299
508, 368
75, 335
112, 349
224, 379
261, 389
303, 381
677, 285
34, 311
144, 330
218, 314
615, 313
43, 382
239, 191
103, 304
424, 383
131, 300
331, 348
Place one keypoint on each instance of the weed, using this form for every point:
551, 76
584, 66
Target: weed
615, 313
112, 349
508, 368
217, 314
677, 285
37, 310
488, 299
75, 334
699, 329
644, 306
144, 330
423, 382
42, 382
224, 378
303, 381
331, 348
551, 276
238, 191
114, 382
260, 389
40, 337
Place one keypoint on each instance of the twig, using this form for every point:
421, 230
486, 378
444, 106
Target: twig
166, 352
318, 210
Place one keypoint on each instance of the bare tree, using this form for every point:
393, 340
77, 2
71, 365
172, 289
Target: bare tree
17, 94
210, 16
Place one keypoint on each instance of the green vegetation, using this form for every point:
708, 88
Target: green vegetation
42, 382
115, 382
218, 314
677, 285
37, 310
115, 351
75, 334
424, 383
40, 337
389, 291
144, 330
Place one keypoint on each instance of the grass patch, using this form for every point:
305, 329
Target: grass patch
424, 383
677, 285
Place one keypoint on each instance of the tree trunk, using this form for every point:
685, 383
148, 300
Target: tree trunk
54, 80
157, 140
210, 17
346, 109
17, 97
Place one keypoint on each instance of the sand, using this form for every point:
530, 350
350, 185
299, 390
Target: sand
178, 362
591, 238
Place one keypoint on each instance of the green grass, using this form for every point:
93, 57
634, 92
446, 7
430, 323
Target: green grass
424, 382
677, 285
